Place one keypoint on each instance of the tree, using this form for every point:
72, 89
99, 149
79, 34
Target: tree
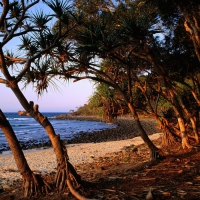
132, 37
107, 40
126, 36
32, 183
38, 43
106, 101
188, 11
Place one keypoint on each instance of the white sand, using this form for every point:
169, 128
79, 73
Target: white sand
45, 161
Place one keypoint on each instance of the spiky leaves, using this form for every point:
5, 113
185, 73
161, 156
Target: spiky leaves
40, 20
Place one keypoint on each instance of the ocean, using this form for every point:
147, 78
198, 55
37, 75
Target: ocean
30, 133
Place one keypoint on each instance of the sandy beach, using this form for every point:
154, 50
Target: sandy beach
44, 161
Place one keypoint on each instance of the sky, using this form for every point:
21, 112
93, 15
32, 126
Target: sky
70, 95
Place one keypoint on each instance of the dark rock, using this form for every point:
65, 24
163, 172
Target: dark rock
126, 129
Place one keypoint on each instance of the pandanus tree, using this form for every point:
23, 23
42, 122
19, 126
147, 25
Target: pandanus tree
132, 37
146, 52
38, 43
188, 11
32, 183
104, 37
157, 55
184, 14
154, 56
106, 101
122, 35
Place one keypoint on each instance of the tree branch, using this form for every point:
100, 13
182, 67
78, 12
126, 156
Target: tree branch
11, 34
5, 11
16, 60
3, 81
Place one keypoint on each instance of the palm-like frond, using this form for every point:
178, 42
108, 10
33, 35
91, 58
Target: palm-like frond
98, 36
26, 42
131, 27
11, 58
92, 34
78, 17
41, 75
40, 19
16, 10
44, 39
139, 24
28, 45
40, 40
60, 7
10, 54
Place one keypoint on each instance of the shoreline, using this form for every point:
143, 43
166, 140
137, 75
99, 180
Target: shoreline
125, 129
82, 148
43, 161
78, 117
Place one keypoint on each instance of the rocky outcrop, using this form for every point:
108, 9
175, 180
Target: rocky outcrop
126, 128
78, 117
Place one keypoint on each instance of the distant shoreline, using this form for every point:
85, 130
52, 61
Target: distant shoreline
78, 117
126, 128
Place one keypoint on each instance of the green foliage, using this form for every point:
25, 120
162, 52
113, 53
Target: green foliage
40, 19
114, 44
101, 98
85, 110
60, 8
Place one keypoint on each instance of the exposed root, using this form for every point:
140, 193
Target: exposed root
64, 170
75, 193
67, 176
35, 184
60, 180
185, 144
168, 139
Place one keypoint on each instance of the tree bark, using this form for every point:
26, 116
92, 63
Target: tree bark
191, 26
59, 150
32, 183
141, 129
184, 135
14, 145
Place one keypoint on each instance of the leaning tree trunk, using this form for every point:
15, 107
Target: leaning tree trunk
168, 140
155, 152
184, 136
64, 167
32, 184
194, 127
192, 27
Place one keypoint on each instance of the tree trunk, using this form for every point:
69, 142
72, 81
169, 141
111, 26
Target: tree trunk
177, 108
191, 26
32, 183
144, 136
168, 140
61, 153
194, 127
141, 129
184, 135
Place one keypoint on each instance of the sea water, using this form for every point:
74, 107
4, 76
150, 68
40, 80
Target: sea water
29, 131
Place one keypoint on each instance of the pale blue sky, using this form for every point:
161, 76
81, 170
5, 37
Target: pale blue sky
69, 97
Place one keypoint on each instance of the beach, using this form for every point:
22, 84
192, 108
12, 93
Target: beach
83, 150
44, 161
